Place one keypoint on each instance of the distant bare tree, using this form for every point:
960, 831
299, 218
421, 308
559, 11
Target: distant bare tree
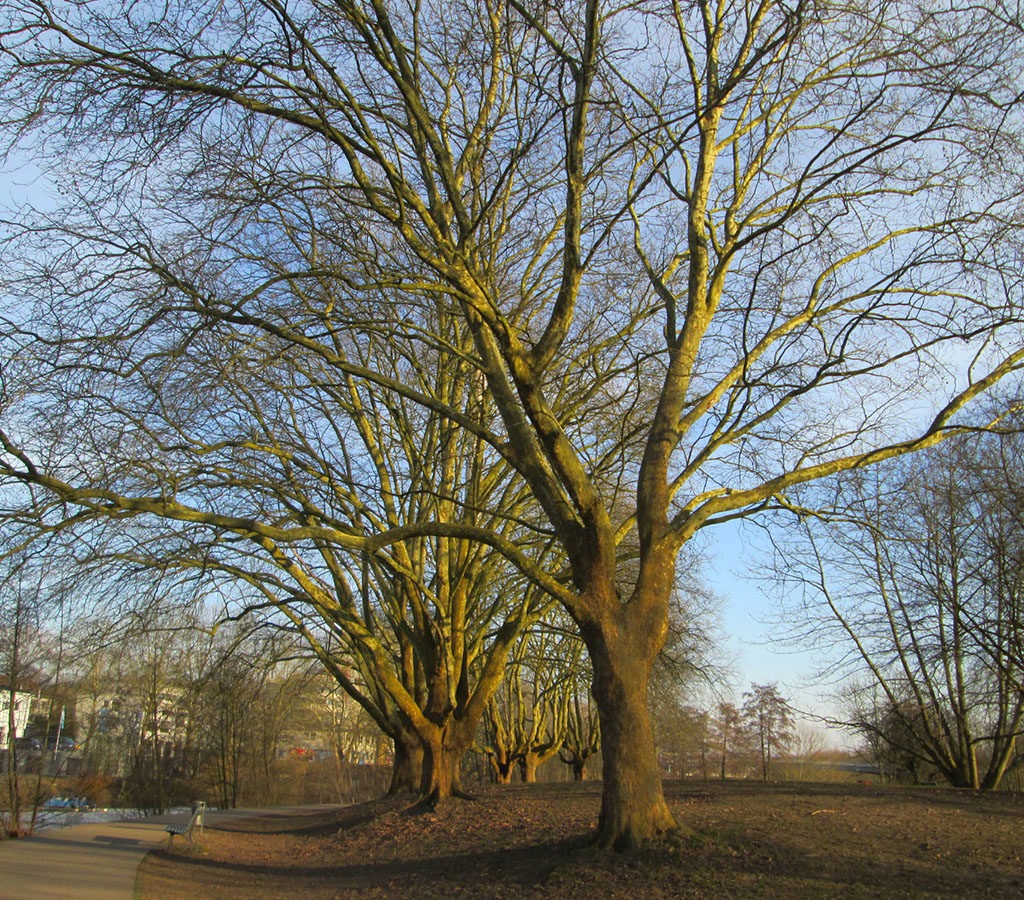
37, 601
19, 629
728, 738
582, 730
922, 573
526, 723
769, 719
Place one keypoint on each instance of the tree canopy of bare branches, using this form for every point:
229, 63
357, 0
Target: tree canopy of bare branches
696, 254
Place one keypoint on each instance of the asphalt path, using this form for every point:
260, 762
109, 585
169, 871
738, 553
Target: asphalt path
96, 861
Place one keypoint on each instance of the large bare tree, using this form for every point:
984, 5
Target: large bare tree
418, 634
702, 253
918, 575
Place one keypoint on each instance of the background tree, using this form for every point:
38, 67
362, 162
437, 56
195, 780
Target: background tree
683, 734
727, 737
768, 717
582, 742
351, 735
763, 242
19, 627
894, 747
807, 756
686, 668
159, 685
920, 569
526, 718
37, 601
232, 714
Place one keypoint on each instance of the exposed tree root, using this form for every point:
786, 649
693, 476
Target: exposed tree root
432, 803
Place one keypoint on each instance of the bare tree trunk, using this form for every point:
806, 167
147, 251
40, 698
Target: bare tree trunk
576, 760
407, 768
13, 785
633, 803
528, 766
502, 769
532, 760
439, 776
1004, 755
442, 761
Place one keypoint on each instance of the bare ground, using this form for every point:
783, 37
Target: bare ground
739, 839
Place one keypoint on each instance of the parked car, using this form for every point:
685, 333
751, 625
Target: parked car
64, 744
72, 803
31, 744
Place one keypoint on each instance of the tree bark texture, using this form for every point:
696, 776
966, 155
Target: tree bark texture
633, 806
442, 763
528, 764
407, 768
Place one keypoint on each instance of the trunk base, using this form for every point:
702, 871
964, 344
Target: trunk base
633, 807
629, 832
407, 768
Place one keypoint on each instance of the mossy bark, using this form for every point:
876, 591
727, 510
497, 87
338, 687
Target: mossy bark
633, 806
407, 768
442, 763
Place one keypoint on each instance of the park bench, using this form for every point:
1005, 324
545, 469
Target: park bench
185, 829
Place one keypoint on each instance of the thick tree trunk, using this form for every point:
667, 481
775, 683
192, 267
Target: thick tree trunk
633, 804
528, 766
428, 765
502, 769
532, 760
576, 761
442, 761
1003, 756
407, 768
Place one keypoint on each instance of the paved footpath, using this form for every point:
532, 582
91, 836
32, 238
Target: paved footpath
96, 861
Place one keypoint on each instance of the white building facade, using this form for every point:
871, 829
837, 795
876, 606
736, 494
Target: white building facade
22, 707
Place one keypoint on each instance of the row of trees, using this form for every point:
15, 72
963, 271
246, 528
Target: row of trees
949, 541
169, 703
171, 712
543, 709
731, 741
409, 320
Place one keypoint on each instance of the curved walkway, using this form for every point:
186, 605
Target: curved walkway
96, 861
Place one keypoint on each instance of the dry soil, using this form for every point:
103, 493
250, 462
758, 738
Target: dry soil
739, 839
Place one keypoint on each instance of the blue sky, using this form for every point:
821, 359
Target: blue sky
751, 631
19, 179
